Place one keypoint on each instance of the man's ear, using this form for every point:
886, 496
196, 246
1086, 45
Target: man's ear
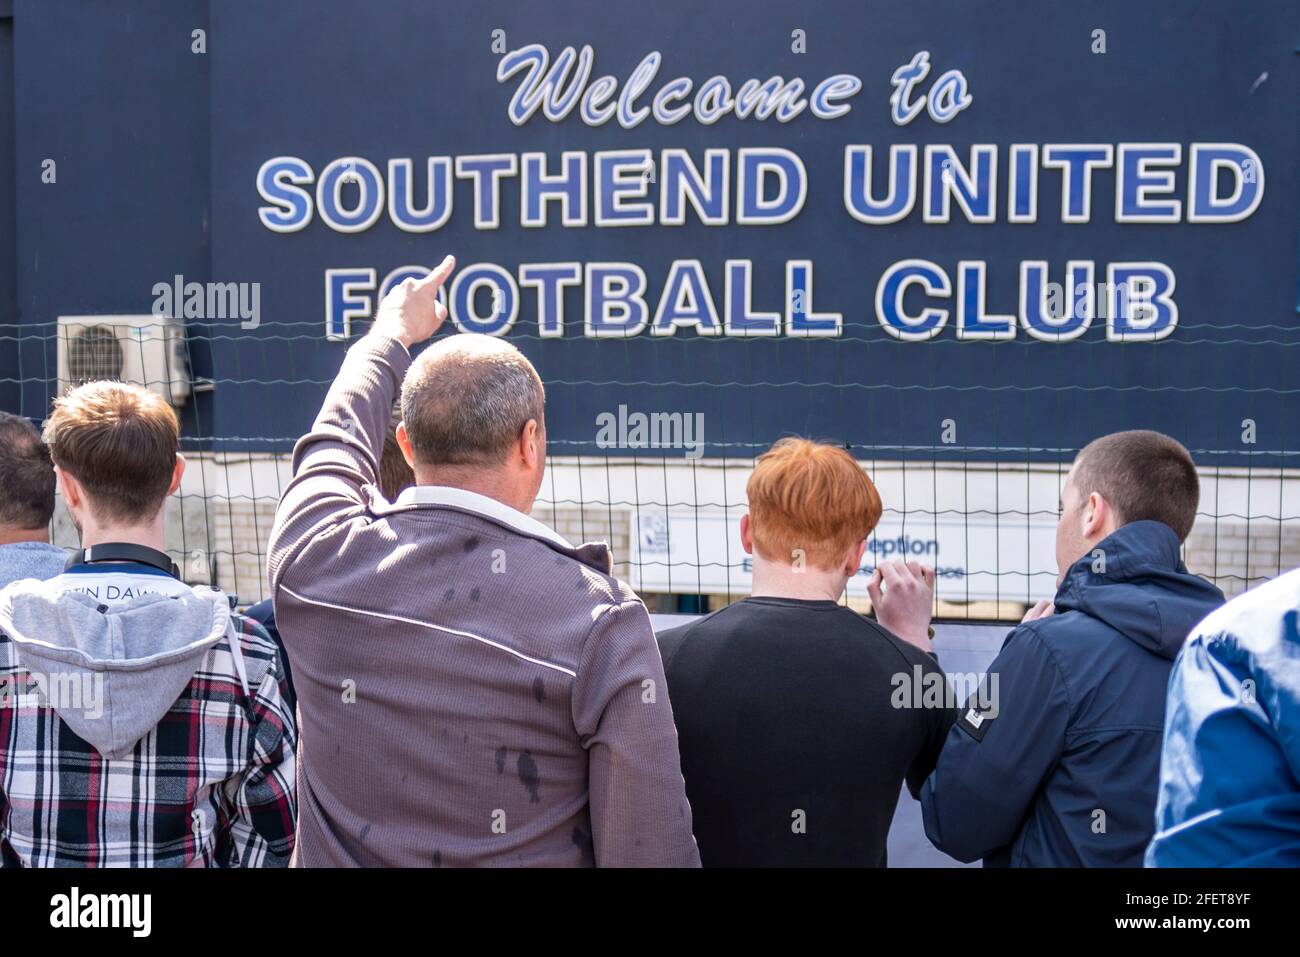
177, 473
530, 444
404, 443
854, 561
1098, 518
746, 534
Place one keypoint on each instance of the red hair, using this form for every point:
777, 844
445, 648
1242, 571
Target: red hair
810, 499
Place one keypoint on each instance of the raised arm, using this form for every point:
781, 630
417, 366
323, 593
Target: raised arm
340, 455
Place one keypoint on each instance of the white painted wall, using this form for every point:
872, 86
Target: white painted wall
222, 518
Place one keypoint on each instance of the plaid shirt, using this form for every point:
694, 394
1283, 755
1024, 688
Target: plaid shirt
212, 785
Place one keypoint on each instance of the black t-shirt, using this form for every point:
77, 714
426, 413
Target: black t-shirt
799, 721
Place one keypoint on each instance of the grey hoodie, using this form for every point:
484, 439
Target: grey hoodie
111, 671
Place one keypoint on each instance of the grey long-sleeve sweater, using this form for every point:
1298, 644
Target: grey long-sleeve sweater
473, 689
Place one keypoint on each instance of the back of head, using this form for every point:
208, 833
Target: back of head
812, 499
1144, 476
26, 476
466, 399
119, 441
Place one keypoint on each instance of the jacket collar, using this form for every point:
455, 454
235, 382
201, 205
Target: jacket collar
1131, 552
1134, 582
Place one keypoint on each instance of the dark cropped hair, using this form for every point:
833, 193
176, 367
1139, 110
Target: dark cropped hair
395, 476
26, 476
1143, 476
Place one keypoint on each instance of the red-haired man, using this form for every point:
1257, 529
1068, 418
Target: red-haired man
794, 739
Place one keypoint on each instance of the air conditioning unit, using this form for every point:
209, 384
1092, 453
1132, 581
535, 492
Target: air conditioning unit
146, 350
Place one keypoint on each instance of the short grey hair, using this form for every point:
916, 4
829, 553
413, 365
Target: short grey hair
466, 399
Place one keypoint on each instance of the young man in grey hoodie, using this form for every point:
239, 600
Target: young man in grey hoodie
141, 722
26, 503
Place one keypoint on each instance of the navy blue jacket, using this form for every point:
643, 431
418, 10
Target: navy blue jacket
264, 614
1056, 765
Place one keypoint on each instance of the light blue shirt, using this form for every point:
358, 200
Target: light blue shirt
30, 560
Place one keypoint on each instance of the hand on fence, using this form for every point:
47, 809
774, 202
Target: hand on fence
411, 312
906, 602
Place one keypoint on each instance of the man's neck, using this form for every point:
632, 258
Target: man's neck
149, 535
487, 484
20, 536
809, 584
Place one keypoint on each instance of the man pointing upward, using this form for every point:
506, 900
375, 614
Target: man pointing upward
474, 689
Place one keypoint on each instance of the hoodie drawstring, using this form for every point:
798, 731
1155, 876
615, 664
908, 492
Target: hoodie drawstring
238, 657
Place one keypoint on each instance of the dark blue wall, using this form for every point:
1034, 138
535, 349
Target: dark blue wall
9, 398
158, 150
111, 93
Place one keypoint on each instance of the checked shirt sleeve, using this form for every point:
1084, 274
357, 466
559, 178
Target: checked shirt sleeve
264, 804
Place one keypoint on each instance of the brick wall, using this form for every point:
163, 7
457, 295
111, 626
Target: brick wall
1237, 555
592, 525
